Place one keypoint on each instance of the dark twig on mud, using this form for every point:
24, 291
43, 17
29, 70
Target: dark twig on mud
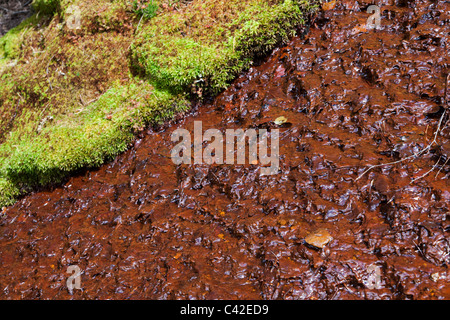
411, 156
19, 12
442, 167
427, 148
11, 12
446, 101
428, 172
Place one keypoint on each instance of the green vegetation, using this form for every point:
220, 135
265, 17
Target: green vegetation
75, 98
46, 7
213, 40
145, 10
10, 43
99, 132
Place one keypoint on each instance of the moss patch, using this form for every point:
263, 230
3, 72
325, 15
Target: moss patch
75, 98
46, 7
86, 139
209, 42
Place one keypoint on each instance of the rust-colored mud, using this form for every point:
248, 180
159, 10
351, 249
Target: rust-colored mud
142, 227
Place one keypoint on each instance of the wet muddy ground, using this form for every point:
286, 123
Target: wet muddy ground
12, 13
143, 227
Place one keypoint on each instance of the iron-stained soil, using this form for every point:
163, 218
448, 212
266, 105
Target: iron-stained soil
142, 227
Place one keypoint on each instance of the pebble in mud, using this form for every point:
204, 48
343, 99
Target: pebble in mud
319, 238
280, 120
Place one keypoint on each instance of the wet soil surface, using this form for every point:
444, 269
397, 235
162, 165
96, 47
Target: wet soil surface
12, 13
143, 227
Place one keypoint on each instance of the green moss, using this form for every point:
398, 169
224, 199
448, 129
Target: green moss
98, 16
11, 42
87, 139
46, 7
8, 192
179, 50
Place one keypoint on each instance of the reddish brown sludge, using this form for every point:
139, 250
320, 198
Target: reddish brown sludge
142, 227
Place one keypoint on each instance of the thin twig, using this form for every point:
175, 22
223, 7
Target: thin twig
442, 167
446, 101
418, 248
428, 172
137, 28
14, 12
414, 155
19, 12
446, 107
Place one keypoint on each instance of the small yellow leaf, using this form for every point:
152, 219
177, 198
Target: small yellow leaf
280, 120
329, 5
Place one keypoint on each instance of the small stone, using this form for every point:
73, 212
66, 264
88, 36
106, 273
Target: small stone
438, 276
435, 276
319, 238
280, 120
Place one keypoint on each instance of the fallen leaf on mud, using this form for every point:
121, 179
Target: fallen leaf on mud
329, 5
319, 238
280, 120
438, 276
177, 255
359, 29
